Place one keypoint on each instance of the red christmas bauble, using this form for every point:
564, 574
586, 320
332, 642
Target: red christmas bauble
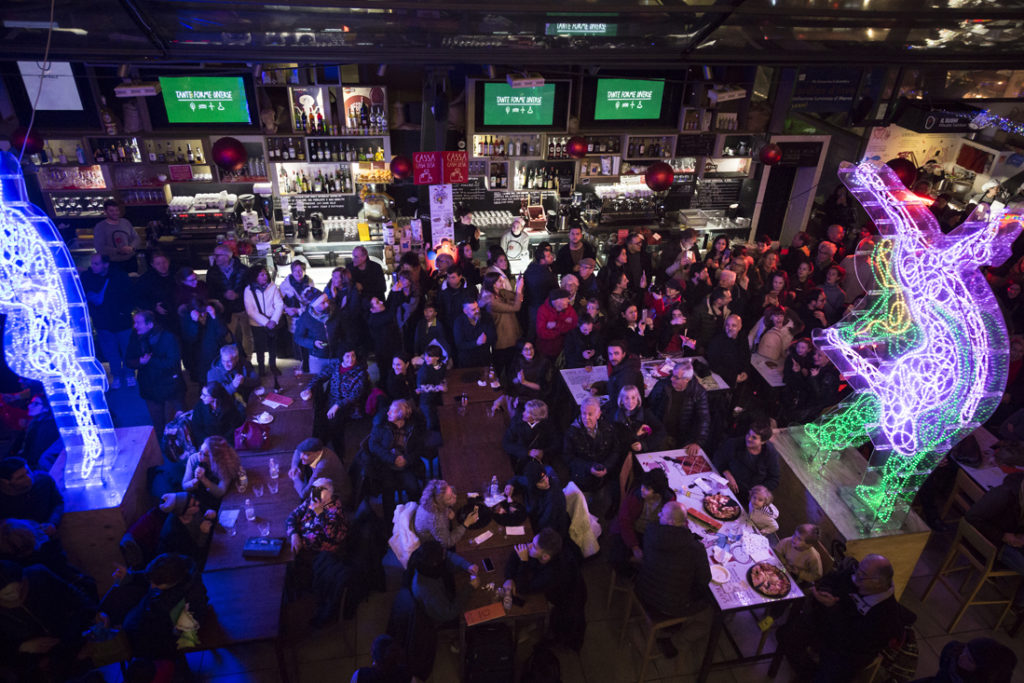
770, 154
229, 154
576, 147
401, 167
659, 176
904, 170
32, 141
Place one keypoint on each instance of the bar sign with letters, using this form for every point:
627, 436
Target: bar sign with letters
426, 168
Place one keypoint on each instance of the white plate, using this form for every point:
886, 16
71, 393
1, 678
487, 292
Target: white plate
720, 574
264, 418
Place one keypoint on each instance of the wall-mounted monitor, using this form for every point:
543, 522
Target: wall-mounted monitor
636, 103
205, 99
499, 106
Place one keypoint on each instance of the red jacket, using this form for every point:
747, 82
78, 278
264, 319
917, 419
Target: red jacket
550, 337
629, 512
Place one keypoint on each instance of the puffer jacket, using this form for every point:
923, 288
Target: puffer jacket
581, 452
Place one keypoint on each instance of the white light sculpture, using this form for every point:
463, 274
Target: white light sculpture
926, 351
48, 336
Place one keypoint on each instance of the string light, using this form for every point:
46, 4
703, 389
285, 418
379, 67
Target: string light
48, 336
986, 119
927, 351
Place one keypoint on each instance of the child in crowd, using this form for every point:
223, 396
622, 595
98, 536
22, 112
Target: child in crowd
799, 555
430, 385
582, 344
763, 515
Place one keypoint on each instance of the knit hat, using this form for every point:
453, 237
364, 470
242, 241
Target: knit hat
174, 503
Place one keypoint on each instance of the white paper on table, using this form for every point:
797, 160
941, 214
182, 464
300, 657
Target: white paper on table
272, 404
228, 518
757, 547
718, 478
721, 554
481, 538
702, 484
515, 531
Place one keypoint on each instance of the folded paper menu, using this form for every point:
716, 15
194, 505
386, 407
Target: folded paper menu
481, 538
515, 531
485, 613
277, 401
228, 518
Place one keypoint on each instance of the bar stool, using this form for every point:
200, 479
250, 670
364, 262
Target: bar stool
652, 624
980, 556
966, 493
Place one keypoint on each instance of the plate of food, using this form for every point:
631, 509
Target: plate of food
769, 580
722, 507
508, 513
720, 574
482, 510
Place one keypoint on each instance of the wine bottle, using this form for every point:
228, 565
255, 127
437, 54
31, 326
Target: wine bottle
152, 152
190, 155
110, 123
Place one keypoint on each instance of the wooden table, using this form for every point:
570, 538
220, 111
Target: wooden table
736, 594
809, 492
245, 607
988, 474
465, 381
578, 380
291, 424
472, 451
225, 550
770, 371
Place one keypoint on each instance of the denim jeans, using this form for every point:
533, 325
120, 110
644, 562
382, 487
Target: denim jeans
1013, 558
113, 346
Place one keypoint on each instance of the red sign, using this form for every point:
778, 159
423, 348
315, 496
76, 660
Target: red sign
426, 168
179, 172
456, 167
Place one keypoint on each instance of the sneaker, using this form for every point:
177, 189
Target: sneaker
130, 381
115, 383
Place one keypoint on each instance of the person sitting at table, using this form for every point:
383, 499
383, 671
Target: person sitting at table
623, 370
682, 406
555, 319
24, 541
347, 387
639, 510
215, 414
763, 515
42, 621
235, 374
533, 437
186, 530
395, 444
980, 660
542, 494
582, 344
746, 461
774, 333
674, 571
853, 616
729, 354
474, 336
821, 389
210, 471
312, 460
549, 566
432, 567
593, 453
25, 494
799, 556
674, 333
147, 605
435, 516
317, 530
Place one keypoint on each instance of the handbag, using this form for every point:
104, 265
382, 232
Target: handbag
251, 436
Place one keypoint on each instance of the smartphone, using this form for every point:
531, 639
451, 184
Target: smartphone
488, 565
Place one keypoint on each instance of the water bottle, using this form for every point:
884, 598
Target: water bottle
250, 511
492, 490
243, 480
275, 472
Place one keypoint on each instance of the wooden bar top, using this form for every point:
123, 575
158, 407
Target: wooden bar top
472, 451
465, 381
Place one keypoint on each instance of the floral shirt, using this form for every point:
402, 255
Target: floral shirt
324, 531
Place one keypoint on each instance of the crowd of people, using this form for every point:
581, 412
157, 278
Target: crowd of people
370, 355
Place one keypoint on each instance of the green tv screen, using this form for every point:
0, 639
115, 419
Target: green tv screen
205, 99
508, 106
627, 98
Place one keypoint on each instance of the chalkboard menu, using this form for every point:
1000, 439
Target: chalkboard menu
695, 145
474, 195
800, 153
718, 193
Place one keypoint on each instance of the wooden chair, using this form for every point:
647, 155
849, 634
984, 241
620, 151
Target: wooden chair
618, 584
979, 555
965, 494
652, 625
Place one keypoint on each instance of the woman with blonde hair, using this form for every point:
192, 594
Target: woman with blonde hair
209, 472
435, 516
780, 326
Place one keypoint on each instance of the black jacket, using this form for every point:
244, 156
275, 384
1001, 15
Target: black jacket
580, 452
748, 470
160, 379
217, 284
546, 508
110, 299
629, 424
538, 281
729, 357
576, 344
624, 374
372, 280
520, 438
309, 329
998, 511
471, 354
694, 422
151, 289
674, 574
563, 259
224, 422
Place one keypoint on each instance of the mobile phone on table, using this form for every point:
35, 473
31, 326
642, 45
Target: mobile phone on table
488, 565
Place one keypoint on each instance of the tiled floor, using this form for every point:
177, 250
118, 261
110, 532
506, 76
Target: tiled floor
334, 653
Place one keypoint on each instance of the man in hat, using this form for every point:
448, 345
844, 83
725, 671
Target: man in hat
311, 461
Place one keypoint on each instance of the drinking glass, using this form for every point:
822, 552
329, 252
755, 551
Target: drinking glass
264, 526
272, 485
257, 489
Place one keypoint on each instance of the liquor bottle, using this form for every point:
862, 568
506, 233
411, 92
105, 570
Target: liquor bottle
98, 156
45, 154
504, 177
493, 179
62, 156
631, 153
80, 154
551, 148
481, 149
190, 156
379, 154
300, 151
303, 120
110, 123
151, 152
318, 183
121, 152
641, 148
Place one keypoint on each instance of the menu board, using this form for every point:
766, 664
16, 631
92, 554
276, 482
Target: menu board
628, 99
205, 99
508, 106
